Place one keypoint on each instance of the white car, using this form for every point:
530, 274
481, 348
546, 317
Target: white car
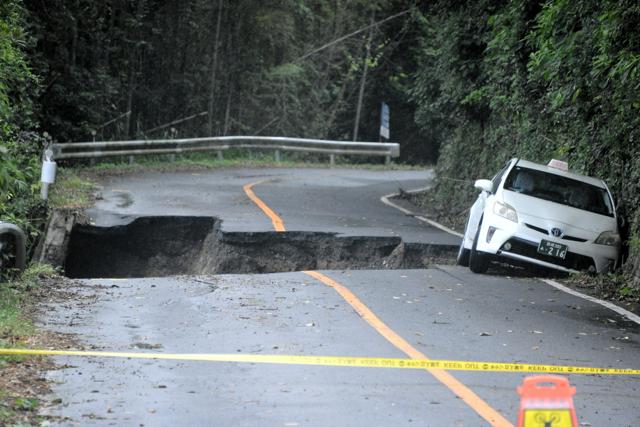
543, 215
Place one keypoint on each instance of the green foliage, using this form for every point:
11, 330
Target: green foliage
18, 411
15, 330
71, 190
30, 278
12, 325
20, 202
17, 83
19, 150
26, 403
535, 80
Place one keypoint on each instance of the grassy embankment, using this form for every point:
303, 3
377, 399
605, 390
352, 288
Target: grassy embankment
19, 400
233, 159
21, 386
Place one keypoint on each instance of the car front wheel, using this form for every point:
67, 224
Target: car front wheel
478, 261
463, 256
463, 253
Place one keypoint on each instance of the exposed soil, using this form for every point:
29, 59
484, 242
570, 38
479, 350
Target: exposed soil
162, 246
454, 220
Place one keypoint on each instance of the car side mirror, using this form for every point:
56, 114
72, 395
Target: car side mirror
484, 185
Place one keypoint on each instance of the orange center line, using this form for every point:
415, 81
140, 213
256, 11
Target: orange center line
475, 402
278, 225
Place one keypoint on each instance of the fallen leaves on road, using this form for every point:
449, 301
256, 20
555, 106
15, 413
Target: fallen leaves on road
146, 346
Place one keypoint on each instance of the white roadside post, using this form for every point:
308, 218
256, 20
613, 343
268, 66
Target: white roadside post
48, 175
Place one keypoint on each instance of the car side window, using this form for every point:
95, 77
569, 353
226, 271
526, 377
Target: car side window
495, 181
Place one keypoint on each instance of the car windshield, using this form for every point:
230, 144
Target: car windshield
559, 189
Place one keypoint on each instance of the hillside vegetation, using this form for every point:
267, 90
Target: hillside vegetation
536, 80
19, 147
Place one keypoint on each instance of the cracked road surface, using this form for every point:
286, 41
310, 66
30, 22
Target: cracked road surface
444, 312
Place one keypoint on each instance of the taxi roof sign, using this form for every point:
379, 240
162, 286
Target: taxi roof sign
559, 164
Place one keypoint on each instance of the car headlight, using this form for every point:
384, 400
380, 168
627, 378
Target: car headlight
609, 238
505, 211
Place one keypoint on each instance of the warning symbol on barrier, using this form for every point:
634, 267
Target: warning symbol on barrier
546, 401
547, 418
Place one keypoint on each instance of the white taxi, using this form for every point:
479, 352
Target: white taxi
543, 215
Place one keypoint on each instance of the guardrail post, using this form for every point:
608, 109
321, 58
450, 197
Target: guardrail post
277, 156
21, 243
132, 160
332, 160
220, 155
387, 160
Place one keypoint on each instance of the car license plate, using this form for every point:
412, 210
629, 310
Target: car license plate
553, 249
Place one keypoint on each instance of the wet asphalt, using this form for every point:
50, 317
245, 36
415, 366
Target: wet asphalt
343, 201
446, 312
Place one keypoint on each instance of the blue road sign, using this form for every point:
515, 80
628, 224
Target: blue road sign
384, 121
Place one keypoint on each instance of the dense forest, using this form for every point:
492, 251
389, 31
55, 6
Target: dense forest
470, 83
215, 67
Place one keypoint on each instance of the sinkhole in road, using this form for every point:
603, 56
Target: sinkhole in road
164, 246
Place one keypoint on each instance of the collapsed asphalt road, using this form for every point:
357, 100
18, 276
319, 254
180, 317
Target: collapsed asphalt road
161, 246
442, 312
147, 226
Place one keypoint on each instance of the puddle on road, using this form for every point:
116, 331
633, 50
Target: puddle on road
164, 246
125, 198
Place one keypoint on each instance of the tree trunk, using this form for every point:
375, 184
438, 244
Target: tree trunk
214, 66
74, 33
227, 114
363, 80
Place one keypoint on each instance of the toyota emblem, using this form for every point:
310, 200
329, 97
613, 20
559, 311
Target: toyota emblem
556, 232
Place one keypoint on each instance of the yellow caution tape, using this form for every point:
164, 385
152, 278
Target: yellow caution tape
362, 362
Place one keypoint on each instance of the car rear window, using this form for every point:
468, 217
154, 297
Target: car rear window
559, 189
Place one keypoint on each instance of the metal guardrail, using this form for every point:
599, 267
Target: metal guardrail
20, 243
93, 150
